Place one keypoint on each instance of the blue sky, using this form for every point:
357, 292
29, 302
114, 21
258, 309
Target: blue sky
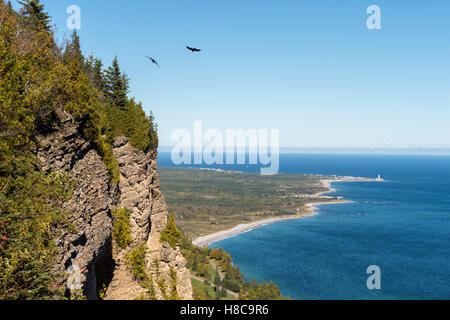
309, 68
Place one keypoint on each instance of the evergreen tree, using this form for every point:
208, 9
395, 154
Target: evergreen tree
98, 79
171, 233
217, 294
73, 54
155, 265
153, 133
117, 85
195, 264
88, 67
151, 289
217, 280
93, 67
206, 294
173, 285
223, 293
34, 11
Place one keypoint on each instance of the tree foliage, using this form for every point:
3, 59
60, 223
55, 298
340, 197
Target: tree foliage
117, 85
136, 263
29, 220
121, 227
173, 285
171, 234
199, 261
34, 12
38, 81
72, 53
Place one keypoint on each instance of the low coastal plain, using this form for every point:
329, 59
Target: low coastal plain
222, 204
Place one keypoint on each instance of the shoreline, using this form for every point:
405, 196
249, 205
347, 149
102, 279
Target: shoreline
209, 239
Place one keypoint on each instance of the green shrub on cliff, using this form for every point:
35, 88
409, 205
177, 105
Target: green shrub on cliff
91, 130
30, 219
173, 285
162, 288
121, 227
136, 262
171, 234
133, 123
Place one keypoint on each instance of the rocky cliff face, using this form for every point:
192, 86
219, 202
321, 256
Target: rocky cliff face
139, 185
89, 246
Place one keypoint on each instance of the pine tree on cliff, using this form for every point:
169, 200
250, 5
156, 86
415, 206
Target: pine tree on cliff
117, 85
34, 11
217, 280
153, 133
73, 54
171, 234
98, 76
93, 68
7, 6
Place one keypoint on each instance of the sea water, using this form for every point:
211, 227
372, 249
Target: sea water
401, 225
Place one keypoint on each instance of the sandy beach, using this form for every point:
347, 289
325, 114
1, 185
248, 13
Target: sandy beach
312, 210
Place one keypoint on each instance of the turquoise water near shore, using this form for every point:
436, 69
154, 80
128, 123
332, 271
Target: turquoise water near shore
402, 225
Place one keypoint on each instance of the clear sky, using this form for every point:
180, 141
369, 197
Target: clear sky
309, 68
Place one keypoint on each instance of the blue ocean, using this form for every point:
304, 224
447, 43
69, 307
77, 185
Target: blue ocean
401, 225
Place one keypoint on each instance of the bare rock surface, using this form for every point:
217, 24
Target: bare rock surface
65, 150
139, 185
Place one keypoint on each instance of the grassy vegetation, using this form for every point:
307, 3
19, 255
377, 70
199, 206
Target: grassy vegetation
201, 290
207, 201
204, 291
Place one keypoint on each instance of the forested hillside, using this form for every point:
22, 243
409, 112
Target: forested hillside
41, 81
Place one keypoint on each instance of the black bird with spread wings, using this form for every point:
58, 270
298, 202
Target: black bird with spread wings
193, 49
153, 60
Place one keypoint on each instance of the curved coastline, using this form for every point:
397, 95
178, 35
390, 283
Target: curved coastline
207, 240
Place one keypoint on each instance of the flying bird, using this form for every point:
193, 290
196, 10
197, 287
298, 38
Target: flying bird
193, 49
153, 60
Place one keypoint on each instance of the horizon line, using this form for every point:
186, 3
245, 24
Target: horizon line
350, 150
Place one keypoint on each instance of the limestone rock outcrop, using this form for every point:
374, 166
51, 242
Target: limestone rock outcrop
65, 150
139, 185
89, 245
